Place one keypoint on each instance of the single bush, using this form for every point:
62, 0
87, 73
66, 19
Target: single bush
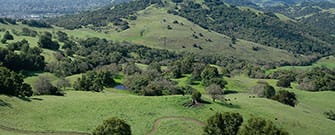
113, 126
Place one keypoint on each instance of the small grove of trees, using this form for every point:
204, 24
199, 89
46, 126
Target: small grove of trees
315, 79
45, 41
260, 126
286, 97
12, 84
94, 81
215, 91
224, 124
229, 123
36, 23
113, 126
285, 81
27, 59
43, 86
263, 89
7, 36
210, 75
62, 83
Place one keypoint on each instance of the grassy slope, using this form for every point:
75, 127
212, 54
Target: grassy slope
156, 33
82, 111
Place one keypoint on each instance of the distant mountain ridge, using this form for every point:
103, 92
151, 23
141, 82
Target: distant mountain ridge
49, 8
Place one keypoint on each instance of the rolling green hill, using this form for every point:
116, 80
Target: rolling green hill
149, 24
82, 111
165, 47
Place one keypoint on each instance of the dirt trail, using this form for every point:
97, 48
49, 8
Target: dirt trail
10, 129
157, 121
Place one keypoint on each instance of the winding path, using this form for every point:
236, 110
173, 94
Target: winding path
10, 129
157, 121
151, 132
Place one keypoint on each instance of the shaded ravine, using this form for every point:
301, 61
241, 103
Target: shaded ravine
10, 129
157, 122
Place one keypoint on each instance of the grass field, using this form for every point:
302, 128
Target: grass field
82, 111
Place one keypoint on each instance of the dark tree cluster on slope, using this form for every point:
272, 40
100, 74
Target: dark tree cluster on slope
7, 21
210, 75
28, 32
7, 36
286, 97
315, 79
62, 36
45, 41
36, 23
27, 59
12, 84
231, 124
94, 81
260, 126
151, 82
263, 89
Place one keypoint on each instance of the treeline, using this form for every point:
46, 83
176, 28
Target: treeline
315, 79
7, 21
266, 29
104, 16
27, 59
12, 84
87, 54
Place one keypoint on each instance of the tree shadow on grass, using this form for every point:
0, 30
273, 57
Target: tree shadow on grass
27, 99
3, 103
229, 105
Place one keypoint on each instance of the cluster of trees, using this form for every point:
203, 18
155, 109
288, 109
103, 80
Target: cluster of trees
28, 32
45, 41
94, 52
315, 79
12, 84
150, 82
7, 21
231, 124
248, 25
36, 23
263, 89
104, 16
43, 86
27, 59
94, 81
7, 36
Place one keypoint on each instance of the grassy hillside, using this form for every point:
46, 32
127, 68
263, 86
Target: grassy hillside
82, 111
153, 22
